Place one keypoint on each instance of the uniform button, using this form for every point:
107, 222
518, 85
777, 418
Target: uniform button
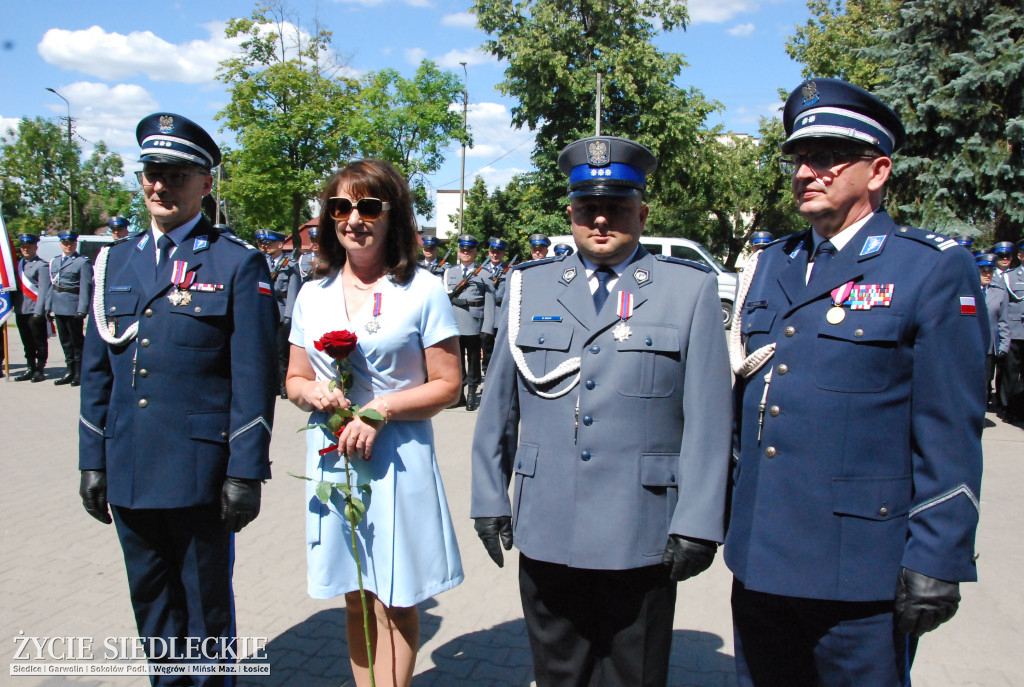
223, 435
883, 511
149, 312
143, 403
858, 333
672, 479
587, 420
595, 349
774, 411
143, 372
145, 343
113, 309
783, 368
540, 339
585, 456
770, 451
789, 331
519, 465
591, 384
649, 341
198, 309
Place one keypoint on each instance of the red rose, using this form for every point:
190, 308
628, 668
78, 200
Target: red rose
338, 345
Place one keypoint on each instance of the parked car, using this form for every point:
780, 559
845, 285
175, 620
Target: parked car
688, 250
89, 245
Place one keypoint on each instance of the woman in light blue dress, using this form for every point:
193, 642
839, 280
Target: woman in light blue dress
406, 367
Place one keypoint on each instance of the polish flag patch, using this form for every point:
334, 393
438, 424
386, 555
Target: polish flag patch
967, 305
265, 289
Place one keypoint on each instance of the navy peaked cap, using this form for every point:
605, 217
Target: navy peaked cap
430, 241
986, 260
830, 108
119, 221
1003, 247
171, 139
539, 240
498, 243
606, 166
67, 235
759, 237
27, 238
468, 240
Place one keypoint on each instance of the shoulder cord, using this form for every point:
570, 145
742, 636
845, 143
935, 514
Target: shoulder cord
744, 365
1006, 283
99, 307
567, 367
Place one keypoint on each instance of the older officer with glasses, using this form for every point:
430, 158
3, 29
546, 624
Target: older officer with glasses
178, 400
861, 402
614, 363
67, 302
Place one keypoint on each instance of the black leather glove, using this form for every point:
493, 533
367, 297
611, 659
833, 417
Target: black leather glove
37, 319
486, 337
93, 490
1000, 355
80, 317
490, 530
286, 322
923, 603
687, 557
239, 502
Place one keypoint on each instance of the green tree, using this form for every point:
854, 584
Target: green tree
838, 39
292, 114
39, 169
513, 213
957, 81
409, 122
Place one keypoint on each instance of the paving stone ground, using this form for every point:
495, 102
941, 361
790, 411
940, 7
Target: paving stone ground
61, 572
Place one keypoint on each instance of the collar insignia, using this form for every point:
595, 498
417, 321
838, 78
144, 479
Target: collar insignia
873, 244
569, 275
641, 275
201, 243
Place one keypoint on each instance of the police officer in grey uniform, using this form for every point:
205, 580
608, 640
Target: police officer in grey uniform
474, 313
997, 301
497, 248
760, 239
29, 305
285, 281
539, 244
67, 301
309, 260
119, 227
430, 260
614, 363
1011, 389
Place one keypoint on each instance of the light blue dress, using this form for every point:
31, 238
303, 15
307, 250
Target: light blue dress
406, 542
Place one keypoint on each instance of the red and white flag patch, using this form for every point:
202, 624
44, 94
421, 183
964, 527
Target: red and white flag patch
264, 288
967, 305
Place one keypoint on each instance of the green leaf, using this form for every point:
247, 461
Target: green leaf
344, 489
370, 414
332, 385
355, 510
317, 425
323, 492
365, 488
334, 423
308, 479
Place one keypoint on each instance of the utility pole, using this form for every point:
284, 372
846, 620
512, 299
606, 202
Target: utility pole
71, 176
597, 117
465, 108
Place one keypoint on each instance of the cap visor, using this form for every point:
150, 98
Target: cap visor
614, 191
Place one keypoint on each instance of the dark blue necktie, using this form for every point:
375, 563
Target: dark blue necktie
166, 245
604, 275
822, 257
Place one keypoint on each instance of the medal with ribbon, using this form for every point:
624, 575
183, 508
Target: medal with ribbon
624, 310
836, 314
181, 278
373, 326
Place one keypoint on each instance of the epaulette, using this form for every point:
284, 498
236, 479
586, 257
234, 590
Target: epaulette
683, 261
129, 237
791, 242
928, 238
785, 238
538, 261
235, 239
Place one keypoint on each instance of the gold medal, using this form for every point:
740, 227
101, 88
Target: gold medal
186, 297
835, 315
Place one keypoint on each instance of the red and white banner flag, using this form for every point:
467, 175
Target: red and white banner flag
8, 277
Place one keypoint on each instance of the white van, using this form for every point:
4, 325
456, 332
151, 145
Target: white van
89, 245
688, 250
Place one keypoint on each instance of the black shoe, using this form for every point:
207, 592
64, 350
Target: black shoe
26, 375
38, 376
66, 379
472, 400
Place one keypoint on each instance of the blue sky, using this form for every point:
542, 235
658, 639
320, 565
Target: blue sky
117, 61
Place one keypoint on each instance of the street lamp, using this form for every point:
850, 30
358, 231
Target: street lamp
462, 183
71, 176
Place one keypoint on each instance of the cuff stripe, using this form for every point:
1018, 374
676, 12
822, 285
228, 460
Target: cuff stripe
942, 498
255, 423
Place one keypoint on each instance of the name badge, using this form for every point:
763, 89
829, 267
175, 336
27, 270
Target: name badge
547, 318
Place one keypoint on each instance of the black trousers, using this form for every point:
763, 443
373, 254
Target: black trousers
1011, 381
72, 336
605, 628
179, 563
284, 351
32, 330
469, 348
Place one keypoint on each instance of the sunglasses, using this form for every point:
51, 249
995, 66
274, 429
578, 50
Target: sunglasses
820, 160
339, 208
168, 179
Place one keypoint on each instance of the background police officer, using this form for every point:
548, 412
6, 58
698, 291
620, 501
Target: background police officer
760, 239
495, 267
1011, 388
29, 305
472, 296
285, 281
861, 404
178, 396
997, 302
68, 300
119, 227
618, 498
430, 260
539, 246
309, 260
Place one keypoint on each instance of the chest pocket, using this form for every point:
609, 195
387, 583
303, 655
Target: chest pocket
649, 361
755, 323
544, 344
859, 354
120, 303
201, 324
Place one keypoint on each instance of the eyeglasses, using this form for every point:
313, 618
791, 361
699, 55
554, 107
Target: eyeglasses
168, 179
820, 160
340, 208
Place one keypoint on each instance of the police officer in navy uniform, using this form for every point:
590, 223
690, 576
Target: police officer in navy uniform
29, 304
997, 302
474, 313
1011, 388
860, 407
285, 281
614, 363
760, 239
67, 302
178, 397
539, 246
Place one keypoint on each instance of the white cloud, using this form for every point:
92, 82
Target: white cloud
496, 178
107, 113
741, 29
378, 3
462, 20
490, 124
453, 58
8, 123
752, 114
414, 55
717, 11
114, 56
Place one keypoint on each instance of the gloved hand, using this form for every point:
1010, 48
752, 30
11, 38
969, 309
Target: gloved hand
286, 323
239, 502
37, 319
93, 490
923, 603
490, 530
687, 557
486, 339
1000, 355
458, 301
80, 317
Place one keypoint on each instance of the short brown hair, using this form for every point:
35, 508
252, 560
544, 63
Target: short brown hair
377, 179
